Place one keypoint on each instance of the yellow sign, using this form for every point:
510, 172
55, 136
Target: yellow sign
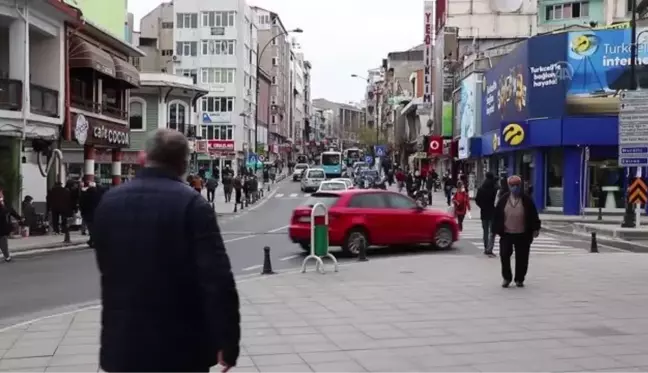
496, 142
513, 134
638, 191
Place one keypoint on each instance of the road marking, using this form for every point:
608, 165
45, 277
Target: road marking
307, 195
278, 229
252, 268
289, 258
239, 238
279, 195
293, 195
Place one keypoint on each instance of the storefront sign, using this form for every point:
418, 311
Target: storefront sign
447, 147
93, 131
513, 134
221, 145
464, 148
436, 146
429, 37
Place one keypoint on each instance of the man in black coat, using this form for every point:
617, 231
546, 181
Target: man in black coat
485, 200
169, 298
88, 202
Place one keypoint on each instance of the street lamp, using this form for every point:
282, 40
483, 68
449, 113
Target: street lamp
258, 73
629, 220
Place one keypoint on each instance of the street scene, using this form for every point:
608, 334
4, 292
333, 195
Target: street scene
248, 186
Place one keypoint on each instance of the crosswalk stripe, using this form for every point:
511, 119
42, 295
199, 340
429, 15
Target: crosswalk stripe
293, 195
279, 195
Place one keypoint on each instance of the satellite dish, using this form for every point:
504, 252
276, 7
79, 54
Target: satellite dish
506, 6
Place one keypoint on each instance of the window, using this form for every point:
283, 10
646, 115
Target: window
273, 119
137, 114
274, 80
217, 104
368, 201
215, 75
218, 19
398, 201
187, 20
217, 132
567, 11
218, 47
191, 73
167, 24
274, 61
177, 116
167, 52
187, 48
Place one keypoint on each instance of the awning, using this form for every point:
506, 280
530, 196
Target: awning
126, 72
85, 55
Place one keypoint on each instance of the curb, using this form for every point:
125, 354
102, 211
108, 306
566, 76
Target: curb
613, 243
48, 250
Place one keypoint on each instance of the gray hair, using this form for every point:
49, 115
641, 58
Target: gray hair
167, 148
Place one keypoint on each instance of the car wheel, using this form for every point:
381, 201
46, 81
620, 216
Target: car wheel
355, 240
305, 246
443, 237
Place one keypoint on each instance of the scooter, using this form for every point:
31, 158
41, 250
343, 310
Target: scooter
421, 197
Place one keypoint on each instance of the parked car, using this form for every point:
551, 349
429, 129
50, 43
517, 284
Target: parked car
299, 170
331, 185
374, 217
311, 179
348, 182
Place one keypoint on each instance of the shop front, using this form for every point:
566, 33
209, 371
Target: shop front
222, 155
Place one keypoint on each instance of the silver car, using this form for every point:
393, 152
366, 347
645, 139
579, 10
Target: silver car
312, 179
299, 170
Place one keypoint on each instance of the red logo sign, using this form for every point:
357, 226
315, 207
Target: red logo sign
436, 145
221, 145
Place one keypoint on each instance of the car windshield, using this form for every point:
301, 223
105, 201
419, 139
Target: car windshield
330, 159
327, 199
333, 186
316, 174
300, 167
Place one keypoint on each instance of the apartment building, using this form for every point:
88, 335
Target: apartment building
309, 133
347, 120
275, 51
298, 102
214, 43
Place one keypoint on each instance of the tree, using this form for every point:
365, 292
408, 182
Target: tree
367, 136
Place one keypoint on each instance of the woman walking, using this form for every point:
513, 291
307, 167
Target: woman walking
461, 204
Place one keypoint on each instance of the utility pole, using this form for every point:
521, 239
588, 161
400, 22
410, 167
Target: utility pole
629, 220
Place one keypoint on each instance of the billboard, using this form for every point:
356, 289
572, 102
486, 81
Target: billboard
600, 67
468, 106
529, 82
428, 39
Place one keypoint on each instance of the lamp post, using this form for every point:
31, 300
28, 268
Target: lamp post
378, 112
258, 73
629, 216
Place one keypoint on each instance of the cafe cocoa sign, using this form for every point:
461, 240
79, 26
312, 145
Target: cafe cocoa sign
98, 132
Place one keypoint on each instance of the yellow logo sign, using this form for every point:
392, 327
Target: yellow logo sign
513, 134
496, 142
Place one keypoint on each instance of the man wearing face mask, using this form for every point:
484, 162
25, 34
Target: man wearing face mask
516, 221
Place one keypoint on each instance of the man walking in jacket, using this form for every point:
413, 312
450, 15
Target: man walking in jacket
485, 199
6, 226
169, 299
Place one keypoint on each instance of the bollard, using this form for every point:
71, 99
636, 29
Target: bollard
594, 244
246, 202
235, 207
600, 213
362, 254
66, 235
268, 187
267, 264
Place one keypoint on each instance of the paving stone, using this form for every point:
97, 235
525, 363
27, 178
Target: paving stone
337, 366
35, 350
27, 363
63, 360
324, 357
74, 368
74, 341
278, 359
285, 368
77, 350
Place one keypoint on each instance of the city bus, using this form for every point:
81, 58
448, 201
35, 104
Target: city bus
351, 156
331, 163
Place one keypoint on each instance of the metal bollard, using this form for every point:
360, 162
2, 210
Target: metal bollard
268, 187
594, 244
246, 202
600, 213
362, 254
66, 235
267, 264
235, 207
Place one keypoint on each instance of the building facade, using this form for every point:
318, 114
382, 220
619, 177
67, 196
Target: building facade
109, 16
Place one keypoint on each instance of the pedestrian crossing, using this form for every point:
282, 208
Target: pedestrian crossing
544, 244
292, 195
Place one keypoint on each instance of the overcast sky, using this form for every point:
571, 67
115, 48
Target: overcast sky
341, 37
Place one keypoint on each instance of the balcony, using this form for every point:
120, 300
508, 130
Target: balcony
44, 101
97, 108
10, 94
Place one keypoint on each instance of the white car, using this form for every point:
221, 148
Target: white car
332, 185
299, 169
348, 182
312, 179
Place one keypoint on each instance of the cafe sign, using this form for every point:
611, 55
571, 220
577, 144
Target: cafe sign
94, 131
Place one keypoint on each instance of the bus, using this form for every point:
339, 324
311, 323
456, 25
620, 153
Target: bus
331, 163
351, 156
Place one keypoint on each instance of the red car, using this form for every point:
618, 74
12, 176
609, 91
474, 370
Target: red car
374, 217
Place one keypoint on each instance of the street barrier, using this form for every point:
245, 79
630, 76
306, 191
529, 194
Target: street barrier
319, 243
594, 244
267, 264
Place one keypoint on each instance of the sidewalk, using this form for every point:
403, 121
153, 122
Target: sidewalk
223, 208
18, 245
433, 313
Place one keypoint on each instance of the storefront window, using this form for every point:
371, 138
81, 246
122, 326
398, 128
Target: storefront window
555, 178
605, 184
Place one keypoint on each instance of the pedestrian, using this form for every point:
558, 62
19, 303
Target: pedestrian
212, 184
448, 185
429, 184
30, 218
400, 180
227, 186
169, 300
461, 204
238, 187
58, 205
6, 226
88, 202
196, 183
516, 221
485, 200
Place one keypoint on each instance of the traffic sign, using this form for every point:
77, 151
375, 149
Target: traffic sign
638, 191
379, 150
633, 128
368, 158
261, 158
252, 158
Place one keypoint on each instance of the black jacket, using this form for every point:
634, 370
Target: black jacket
88, 202
6, 213
169, 298
531, 218
485, 199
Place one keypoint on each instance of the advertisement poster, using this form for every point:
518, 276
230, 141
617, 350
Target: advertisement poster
600, 64
549, 75
468, 106
447, 119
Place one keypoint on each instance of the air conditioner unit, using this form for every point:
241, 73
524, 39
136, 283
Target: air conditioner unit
175, 58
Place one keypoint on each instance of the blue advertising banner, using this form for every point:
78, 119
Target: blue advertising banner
600, 64
549, 74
